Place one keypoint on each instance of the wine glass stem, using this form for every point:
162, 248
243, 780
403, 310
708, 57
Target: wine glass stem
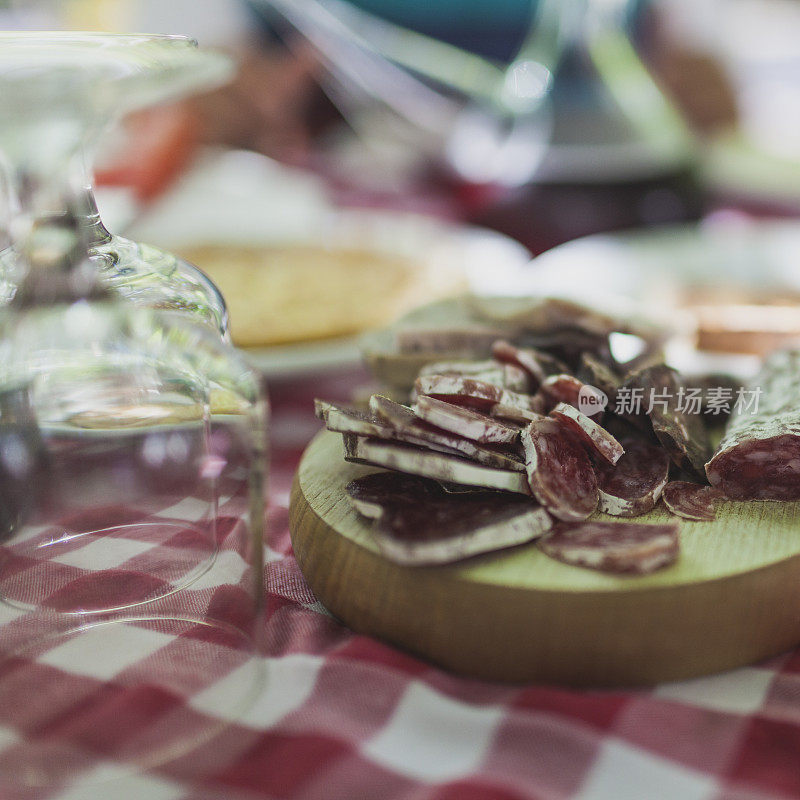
42, 190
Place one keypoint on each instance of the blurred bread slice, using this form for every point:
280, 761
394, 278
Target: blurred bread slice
292, 293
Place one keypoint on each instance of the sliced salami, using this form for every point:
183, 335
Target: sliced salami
371, 494
464, 421
520, 416
682, 434
508, 376
560, 473
467, 368
416, 522
598, 374
343, 419
407, 426
595, 438
690, 500
537, 364
759, 455
633, 485
567, 389
439, 466
618, 547
470, 392
567, 345
473, 339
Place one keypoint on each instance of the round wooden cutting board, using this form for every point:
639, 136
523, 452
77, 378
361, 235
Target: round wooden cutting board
516, 615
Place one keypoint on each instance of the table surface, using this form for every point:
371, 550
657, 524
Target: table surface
345, 717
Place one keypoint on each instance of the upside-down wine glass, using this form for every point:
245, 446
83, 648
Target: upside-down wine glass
133, 445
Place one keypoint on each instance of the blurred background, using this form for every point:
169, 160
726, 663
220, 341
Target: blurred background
543, 121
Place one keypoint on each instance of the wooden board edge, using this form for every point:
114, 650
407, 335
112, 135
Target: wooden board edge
604, 639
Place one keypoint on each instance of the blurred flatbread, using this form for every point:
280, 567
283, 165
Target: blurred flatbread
294, 293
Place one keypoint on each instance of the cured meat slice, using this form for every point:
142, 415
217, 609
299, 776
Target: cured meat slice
620, 547
682, 434
597, 440
548, 314
515, 379
598, 374
475, 339
405, 425
690, 500
567, 389
343, 419
509, 376
470, 368
537, 364
521, 416
759, 455
471, 392
439, 466
416, 522
567, 345
371, 494
464, 421
633, 485
560, 473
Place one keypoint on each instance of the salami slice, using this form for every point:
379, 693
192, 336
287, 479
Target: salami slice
475, 339
537, 364
371, 494
416, 522
567, 345
560, 473
682, 434
439, 466
467, 368
343, 419
405, 425
619, 547
464, 421
470, 392
759, 455
598, 374
633, 485
595, 438
568, 389
520, 416
508, 376
690, 500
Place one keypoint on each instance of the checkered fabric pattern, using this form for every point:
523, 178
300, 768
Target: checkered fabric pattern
345, 717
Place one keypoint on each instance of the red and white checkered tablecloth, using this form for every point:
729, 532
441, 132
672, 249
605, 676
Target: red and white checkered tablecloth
345, 717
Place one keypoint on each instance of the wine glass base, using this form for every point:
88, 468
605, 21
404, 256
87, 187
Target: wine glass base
131, 564
133, 692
